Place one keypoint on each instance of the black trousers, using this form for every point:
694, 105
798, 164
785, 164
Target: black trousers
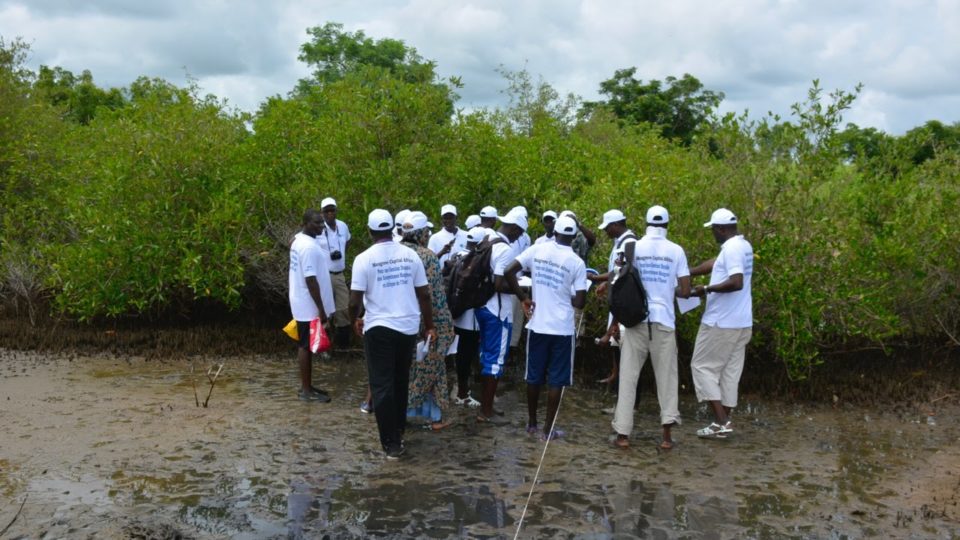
389, 354
468, 354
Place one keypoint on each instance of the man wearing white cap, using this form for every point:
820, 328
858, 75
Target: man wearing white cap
549, 219
336, 236
465, 326
559, 286
664, 273
450, 239
521, 245
488, 219
473, 220
495, 318
390, 283
614, 224
398, 227
727, 323
311, 296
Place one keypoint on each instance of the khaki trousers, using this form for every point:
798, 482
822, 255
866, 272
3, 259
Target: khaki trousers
717, 363
635, 344
341, 299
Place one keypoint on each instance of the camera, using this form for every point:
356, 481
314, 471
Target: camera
336, 255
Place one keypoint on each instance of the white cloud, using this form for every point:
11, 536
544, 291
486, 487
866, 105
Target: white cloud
761, 53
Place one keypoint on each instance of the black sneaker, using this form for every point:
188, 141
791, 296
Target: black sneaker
394, 452
313, 395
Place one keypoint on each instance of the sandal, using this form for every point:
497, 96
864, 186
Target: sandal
437, 426
715, 431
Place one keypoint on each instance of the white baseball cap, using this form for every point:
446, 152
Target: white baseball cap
549, 214
611, 216
569, 213
565, 225
476, 234
488, 212
380, 220
721, 216
415, 221
515, 217
448, 209
472, 221
328, 202
520, 209
401, 217
657, 215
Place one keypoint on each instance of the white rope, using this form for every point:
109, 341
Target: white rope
537, 475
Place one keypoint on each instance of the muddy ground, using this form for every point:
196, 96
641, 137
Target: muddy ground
113, 445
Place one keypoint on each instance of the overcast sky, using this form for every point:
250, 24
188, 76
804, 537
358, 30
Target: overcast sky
761, 53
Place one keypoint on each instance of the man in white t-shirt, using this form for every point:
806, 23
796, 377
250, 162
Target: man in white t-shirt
727, 323
336, 236
450, 239
614, 224
468, 335
495, 319
311, 296
390, 283
488, 219
549, 219
665, 276
559, 287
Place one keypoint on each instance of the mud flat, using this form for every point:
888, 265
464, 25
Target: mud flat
114, 446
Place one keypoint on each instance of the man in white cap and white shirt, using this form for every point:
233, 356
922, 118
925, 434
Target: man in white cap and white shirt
559, 287
336, 236
585, 239
521, 245
398, 227
727, 323
450, 239
473, 220
549, 219
495, 318
465, 326
311, 296
390, 284
488, 219
614, 224
665, 276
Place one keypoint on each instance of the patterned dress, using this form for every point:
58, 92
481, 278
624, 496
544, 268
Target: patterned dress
428, 378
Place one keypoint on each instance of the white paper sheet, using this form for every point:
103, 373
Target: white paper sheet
687, 304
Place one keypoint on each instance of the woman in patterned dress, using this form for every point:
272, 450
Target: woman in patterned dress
428, 377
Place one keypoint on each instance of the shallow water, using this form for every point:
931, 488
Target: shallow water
116, 447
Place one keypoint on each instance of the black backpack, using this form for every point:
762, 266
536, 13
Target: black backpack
470, 279
628, 298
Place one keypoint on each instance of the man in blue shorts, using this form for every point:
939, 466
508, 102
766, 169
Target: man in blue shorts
559, 286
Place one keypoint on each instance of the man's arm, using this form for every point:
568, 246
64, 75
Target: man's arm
683, 287
731, 284
426, 311
588, 234
512, 283
356, 306
314, 287
703, 268
579, 300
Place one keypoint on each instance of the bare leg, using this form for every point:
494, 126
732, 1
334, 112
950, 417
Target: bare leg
719, 411
306, 369
533, 400
553, 403
667, 442
489, 392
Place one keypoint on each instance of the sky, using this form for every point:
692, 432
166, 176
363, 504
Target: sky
762, 54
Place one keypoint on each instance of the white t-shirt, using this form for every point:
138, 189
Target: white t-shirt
623, 238
442, 238
661, 263
555, 270
387, 273
731, 309
545, 238
307, 259
335, 240
501, 255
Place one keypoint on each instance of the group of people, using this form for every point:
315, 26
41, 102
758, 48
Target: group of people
397, 296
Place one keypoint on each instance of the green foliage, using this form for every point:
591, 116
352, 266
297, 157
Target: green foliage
163, 201
678, 106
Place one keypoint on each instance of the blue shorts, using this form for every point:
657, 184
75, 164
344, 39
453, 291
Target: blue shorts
494, 341
549, 359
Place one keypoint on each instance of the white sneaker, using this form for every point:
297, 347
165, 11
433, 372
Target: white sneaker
467, 402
